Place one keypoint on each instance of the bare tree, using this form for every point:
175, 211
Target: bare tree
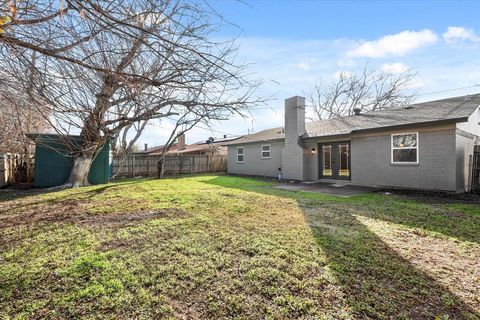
122, 145
182, 124
105, 66
367, 90
18, 117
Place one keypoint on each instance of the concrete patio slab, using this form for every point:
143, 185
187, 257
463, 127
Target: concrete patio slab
338, 188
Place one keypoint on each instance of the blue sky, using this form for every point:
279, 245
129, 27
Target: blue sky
294, 44
345, 19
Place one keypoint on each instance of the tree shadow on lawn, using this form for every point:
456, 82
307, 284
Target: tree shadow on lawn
377, 281
453, 218
57, 209
84, 193
93, 189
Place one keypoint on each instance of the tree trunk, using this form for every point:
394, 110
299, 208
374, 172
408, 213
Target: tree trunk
79, 174
162, 171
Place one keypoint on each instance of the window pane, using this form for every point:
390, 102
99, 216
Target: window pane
240, 158
266, 154
405, 155
327, 160
344, 160
404, 140
265, 148
240, 151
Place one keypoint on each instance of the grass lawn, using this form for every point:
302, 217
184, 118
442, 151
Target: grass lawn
228, 247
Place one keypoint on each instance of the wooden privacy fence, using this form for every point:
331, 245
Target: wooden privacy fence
16, 168
147, 165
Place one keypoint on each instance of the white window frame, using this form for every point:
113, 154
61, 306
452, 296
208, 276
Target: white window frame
241, 154
269, 151
400, 148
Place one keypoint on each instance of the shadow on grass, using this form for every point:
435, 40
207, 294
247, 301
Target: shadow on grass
453, 219
15, 194
456, 220
377, 281
61, 208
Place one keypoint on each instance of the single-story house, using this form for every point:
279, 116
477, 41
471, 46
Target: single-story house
426, 145
211, 146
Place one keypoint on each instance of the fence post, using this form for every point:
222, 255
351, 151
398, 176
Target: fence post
133, 166
181, 164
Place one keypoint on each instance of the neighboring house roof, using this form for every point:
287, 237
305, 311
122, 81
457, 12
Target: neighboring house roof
158, 149
188, 148
456, 109
194, 147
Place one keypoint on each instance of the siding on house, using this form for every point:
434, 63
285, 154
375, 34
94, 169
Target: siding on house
464, 152
311, 161
467, 134
472, 125
444, 153
436, 170
253, 163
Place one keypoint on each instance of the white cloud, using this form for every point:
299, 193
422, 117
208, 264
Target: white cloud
303, 65
394, 68
394, 44
454, 34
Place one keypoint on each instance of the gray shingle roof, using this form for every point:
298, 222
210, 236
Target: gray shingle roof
455, 109
264, 135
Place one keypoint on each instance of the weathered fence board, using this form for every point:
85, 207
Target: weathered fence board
147, 165
15, 168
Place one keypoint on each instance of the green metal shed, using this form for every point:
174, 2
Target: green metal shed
53, 162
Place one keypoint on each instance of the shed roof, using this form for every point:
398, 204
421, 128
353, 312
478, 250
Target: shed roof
456, 109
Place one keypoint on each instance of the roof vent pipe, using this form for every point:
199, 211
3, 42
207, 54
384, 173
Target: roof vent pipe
357, 111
